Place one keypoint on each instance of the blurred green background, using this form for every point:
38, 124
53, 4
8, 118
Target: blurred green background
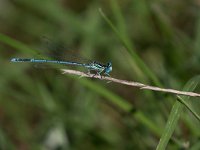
44, 109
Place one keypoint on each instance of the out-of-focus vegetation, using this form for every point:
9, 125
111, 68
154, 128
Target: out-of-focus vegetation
151, 41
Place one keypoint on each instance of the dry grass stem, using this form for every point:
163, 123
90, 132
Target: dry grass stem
130, 83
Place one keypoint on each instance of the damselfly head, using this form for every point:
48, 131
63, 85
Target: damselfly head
108, 68
13, 60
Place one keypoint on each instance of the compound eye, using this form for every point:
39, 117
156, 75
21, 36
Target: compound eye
109, 64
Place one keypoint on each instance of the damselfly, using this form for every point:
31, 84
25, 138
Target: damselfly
93, 66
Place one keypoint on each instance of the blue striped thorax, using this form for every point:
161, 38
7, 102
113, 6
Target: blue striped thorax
100, 68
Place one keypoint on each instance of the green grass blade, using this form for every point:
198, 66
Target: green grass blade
23, 48
189, 107
122, 104
170, 126
175, 114
16, 44
192, 104
127, 44
125, 40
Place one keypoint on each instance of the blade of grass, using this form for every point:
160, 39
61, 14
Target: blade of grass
127, 44
188, 107
16, 44
120, 22
175, 114
121, 103
23, 48
123, 37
